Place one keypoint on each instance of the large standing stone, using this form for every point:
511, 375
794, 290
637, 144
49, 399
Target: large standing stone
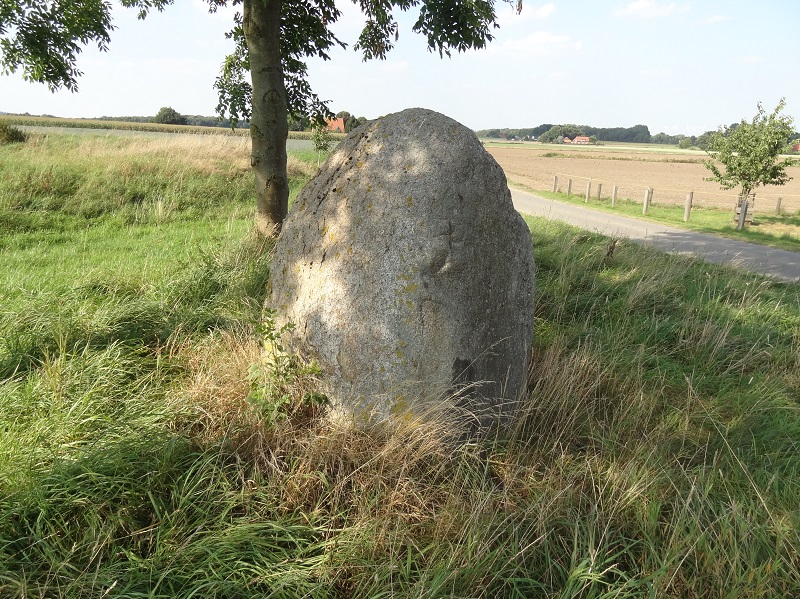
408, 273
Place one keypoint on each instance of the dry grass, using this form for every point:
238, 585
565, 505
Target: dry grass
173, 153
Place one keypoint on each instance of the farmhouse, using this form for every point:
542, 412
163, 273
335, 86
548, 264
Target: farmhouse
581, 139
335, 125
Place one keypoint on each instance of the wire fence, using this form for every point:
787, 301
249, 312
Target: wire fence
597, 188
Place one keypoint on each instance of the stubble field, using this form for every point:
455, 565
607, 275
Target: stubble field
671, 173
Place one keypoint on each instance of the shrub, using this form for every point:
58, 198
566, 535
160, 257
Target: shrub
10, 135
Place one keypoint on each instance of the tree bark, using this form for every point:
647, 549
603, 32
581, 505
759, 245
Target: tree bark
269, 127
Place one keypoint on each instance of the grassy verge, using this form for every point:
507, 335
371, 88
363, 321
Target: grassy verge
657, 455
779, 231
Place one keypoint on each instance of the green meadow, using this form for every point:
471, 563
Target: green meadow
151, 446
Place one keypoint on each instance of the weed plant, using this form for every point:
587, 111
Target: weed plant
655, 456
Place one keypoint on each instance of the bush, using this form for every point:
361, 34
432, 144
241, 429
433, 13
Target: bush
10, 135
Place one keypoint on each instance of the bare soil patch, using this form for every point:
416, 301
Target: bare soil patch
671, 174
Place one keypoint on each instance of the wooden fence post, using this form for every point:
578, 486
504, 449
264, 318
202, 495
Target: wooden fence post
778, 207
588, 190
687, 208
599, 190
614, 197
555, 183
569, 187
646, 202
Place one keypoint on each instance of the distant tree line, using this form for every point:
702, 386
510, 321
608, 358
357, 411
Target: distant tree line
548, 133
175, 119
531, 133
170, 116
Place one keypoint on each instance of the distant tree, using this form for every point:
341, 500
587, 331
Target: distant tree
660, 138
593, 140
641, 134
663, 138
169, 116
555, 132
299, 122
702, 141
537, 131
685, 143
353, 122
749, 153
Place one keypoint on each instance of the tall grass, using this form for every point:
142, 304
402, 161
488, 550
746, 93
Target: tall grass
656, 455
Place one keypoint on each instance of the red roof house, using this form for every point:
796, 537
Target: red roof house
581, 139
335, 125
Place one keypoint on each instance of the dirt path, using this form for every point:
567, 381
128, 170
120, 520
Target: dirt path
755, 258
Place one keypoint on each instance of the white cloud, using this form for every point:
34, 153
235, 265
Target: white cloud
648, 9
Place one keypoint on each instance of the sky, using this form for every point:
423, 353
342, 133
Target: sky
675, 66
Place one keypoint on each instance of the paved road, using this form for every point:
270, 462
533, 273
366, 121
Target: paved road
780, 264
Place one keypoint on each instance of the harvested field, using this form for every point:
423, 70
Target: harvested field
671, 173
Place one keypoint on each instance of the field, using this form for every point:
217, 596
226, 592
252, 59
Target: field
152, 446
672, 173
40, 123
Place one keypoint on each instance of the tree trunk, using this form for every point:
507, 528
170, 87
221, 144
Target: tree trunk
269, 127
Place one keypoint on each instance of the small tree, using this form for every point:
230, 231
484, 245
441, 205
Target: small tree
169, 116
749, 152
322, 138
